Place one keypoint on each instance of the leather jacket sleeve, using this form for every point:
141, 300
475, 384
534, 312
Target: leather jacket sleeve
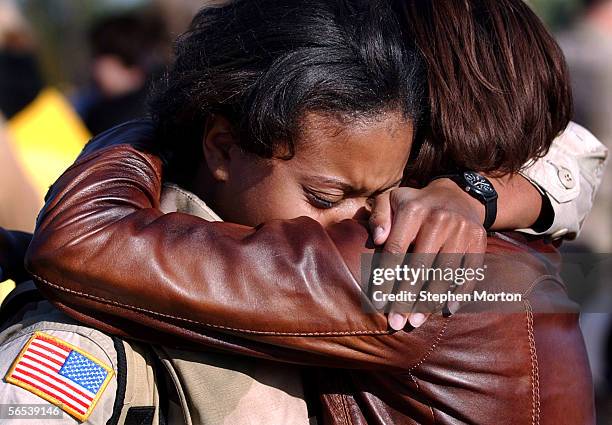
105, 254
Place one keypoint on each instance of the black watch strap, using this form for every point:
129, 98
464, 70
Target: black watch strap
490, 214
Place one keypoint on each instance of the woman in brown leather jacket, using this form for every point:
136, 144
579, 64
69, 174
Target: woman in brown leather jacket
442, 373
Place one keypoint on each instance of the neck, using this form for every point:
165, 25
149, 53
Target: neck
203, 184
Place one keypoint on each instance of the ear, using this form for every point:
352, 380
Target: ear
218, 141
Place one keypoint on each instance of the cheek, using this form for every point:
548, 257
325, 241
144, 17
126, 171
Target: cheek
276, 206
270, 197
255, 195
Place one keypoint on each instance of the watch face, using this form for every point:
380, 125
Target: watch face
479, 183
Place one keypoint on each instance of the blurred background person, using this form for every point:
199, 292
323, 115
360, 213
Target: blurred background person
129, 50
18, 200
41, 132
42, 135
20, 79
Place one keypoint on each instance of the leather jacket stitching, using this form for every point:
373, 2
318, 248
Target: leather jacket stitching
433, 346
544, 278
535, 376
210, 325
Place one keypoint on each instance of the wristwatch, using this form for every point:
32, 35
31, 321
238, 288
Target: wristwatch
478, 187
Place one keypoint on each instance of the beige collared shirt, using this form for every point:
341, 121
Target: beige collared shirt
569, 175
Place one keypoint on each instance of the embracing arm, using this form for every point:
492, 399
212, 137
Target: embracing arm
104, 253
551, 196
556, 192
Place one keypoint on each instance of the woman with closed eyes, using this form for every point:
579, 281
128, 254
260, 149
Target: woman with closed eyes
285, 141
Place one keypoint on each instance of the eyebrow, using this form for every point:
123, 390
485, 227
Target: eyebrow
346, 187
335, 182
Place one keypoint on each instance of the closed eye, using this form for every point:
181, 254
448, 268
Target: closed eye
320, 202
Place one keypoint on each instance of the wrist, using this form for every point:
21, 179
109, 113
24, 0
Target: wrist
477, 207
520, 202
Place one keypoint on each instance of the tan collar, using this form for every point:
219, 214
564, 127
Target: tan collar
177, 199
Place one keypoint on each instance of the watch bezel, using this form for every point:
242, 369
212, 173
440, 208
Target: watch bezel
470, 187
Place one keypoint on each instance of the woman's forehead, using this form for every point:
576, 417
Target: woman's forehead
364, 155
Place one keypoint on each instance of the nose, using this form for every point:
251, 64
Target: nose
362, 214
356, 209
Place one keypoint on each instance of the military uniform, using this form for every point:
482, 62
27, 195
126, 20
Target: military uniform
126, 382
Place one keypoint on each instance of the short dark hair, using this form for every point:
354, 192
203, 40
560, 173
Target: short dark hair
263, 64
133, 37
498, 85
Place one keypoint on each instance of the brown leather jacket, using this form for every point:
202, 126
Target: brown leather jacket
290, 291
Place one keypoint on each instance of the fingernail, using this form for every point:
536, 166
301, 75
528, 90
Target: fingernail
378, 233
397, 321
453, 306
417, 319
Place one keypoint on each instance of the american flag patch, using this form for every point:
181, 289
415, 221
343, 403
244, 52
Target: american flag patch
61, 373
